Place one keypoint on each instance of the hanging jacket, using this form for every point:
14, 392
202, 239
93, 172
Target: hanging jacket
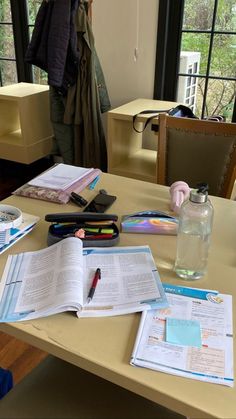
76, 118
53, 46
83, 107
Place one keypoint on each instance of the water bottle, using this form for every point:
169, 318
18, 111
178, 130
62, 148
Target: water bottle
193, 239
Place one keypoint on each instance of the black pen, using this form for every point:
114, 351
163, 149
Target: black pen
96, 277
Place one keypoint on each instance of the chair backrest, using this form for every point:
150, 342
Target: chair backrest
197, 151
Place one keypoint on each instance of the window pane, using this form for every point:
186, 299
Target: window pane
197, 43
220, 98
33, 6
226, 16
223, 61
5, 11
200, 95
191, 97
39, 76
7, 49
8, 73
198, 14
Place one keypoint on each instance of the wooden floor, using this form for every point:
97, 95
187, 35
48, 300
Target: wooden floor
18, 357
13, 175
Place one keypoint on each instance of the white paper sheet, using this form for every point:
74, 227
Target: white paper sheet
60, 176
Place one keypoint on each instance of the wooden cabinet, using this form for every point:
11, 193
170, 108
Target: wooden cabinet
25, 128
126, 154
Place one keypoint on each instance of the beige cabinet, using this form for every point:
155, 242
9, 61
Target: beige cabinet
25, 128
126, 154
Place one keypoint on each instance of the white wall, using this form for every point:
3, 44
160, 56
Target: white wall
119, 27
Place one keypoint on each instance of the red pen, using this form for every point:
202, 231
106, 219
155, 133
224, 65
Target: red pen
96, 277
99, 236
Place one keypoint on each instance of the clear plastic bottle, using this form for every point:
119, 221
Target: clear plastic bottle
193, 240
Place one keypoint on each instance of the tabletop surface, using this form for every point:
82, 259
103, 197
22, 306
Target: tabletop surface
128, 110
103, 346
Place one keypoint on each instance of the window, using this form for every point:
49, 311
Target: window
187, 86
17, 18
39, 76
205, 47
8, 71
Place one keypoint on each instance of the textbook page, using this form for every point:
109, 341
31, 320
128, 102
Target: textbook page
129, 281
47, 281
213, 360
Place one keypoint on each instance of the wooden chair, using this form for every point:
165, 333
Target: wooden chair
197, 151
56, 389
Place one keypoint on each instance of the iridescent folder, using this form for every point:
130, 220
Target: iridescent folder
149, 222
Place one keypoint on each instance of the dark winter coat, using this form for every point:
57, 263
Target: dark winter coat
53, 46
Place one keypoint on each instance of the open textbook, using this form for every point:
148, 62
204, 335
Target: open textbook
212, 361
59, 278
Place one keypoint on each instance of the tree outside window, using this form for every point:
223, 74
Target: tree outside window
11, 13
209, 29
8, 73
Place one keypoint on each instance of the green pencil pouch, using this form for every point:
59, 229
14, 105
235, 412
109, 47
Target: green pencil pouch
99, 229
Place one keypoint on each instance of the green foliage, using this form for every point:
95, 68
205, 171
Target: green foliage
33, 6
7, 69
226, 15
199, 43
198, 16
5, 16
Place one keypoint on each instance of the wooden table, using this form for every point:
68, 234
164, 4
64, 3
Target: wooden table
103, 345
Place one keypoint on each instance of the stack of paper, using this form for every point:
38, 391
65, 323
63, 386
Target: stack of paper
60, 177
28, 223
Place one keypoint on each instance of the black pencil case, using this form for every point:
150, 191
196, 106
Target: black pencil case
100, 229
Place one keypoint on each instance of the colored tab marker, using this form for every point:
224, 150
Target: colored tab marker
94, 182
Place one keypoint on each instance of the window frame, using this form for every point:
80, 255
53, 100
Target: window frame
21, 39
168, 50
20, 28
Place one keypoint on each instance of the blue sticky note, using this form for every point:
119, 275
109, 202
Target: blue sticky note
183, 332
